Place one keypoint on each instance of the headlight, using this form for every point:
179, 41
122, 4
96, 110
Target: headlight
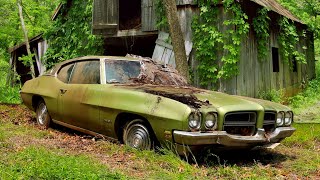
195, 120
288, 118
211, 121
280, 118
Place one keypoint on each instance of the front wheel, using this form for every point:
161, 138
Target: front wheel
137, 135
42, 115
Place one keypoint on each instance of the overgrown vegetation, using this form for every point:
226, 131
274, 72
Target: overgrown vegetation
37, 17
272, 95
210, 37
261, 26
9, 95
309, 96
70, 34
162, 21
288, 40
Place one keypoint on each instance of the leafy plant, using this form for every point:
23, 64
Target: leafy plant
310, 94
288, 39
209, 39
162, 21
70, 34
261, 25
37, 17
272, 95
10, 95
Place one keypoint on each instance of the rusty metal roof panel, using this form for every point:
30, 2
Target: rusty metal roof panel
276, 7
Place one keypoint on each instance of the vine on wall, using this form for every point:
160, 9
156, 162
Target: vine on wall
288, 39
209, 39
162, 21
70, 34
261, 25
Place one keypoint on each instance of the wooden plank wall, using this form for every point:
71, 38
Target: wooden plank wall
164, 51
148, 15
105, 17
255, 76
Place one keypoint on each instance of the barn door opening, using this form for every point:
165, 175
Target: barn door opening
129, 14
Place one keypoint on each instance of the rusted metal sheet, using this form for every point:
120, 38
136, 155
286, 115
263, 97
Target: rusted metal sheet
105, 17
276, 7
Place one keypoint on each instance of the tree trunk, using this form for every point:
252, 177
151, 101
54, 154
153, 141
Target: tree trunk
25, 32
177, 38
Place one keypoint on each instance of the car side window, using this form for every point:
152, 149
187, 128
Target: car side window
65, 72
86, 72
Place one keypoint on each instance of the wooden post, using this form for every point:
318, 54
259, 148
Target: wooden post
25, 32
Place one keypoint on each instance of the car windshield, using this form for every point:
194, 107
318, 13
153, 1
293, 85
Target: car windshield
122, 71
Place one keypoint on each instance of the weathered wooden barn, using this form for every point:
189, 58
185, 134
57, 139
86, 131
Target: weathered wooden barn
38, 47
129, 26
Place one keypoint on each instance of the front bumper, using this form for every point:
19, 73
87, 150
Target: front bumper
223, 138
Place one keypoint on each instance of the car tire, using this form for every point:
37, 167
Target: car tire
137, 135
42, 115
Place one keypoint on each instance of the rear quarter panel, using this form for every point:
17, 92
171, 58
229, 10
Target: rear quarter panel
46, 87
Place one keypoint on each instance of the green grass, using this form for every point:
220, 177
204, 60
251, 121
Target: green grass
307, 136
41, 163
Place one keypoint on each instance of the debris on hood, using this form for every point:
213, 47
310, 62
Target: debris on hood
164, 80
155, 73
188, 99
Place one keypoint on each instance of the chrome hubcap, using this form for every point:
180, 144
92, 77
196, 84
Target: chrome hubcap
42, 114
137, 136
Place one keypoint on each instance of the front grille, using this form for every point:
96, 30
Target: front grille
240, 123
269, 121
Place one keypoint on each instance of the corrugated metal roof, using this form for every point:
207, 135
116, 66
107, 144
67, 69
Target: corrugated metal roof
276, 7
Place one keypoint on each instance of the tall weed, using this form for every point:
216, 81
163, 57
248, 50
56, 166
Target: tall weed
272, 95
8, 95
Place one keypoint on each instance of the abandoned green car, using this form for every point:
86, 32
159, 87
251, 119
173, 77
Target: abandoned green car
141, 103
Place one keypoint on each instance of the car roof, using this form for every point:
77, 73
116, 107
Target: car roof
85, 58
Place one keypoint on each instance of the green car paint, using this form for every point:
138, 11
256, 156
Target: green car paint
97, 107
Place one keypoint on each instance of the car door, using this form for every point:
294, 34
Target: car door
80, 98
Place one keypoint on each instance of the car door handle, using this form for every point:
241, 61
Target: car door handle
62, 91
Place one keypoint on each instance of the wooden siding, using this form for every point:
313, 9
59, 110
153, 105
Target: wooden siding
148, 15
105, 17
256, 76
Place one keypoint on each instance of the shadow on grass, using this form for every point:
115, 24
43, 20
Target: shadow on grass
242, 158
210, 158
